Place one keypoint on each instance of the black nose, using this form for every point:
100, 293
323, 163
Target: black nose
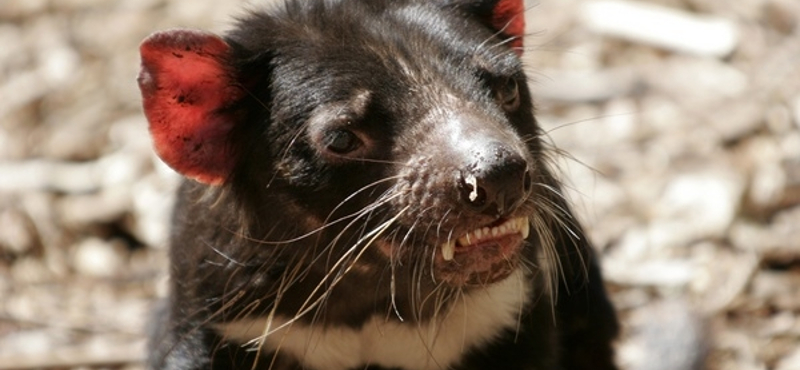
496, 182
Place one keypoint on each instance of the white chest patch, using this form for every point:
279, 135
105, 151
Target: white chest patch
476, 319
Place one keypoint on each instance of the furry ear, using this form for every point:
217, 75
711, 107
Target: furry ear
189, 86
507, 17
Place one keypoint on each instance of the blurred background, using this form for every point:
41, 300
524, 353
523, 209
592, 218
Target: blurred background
677, 123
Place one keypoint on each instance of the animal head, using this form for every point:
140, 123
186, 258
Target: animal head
386, 135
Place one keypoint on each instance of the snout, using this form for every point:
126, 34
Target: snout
494, 180
464, 186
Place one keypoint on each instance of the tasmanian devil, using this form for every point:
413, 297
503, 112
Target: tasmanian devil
368, 189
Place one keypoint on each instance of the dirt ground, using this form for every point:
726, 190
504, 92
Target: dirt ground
680, 126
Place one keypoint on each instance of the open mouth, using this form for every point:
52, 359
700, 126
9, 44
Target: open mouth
483, 256
487, 234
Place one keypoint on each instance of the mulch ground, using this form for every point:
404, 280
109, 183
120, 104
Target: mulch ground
682, 157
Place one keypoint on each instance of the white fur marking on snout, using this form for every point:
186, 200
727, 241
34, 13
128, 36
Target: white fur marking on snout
472, 181
474, 320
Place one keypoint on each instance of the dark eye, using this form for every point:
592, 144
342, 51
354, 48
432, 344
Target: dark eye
507, 94
341, 141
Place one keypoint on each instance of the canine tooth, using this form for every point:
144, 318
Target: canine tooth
525, 228
448, 250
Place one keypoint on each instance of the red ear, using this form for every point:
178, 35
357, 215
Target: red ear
508, 17
188, 85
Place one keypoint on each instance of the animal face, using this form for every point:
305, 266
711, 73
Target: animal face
405, 140
430, 146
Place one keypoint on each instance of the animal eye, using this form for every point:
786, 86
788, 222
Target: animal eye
507, 94
341, 141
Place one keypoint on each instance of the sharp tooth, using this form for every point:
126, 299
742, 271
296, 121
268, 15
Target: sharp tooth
525, 228
495, 231
478, 234
517, 224
448, 250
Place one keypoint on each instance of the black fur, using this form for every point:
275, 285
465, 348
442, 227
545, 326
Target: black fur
402, 75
